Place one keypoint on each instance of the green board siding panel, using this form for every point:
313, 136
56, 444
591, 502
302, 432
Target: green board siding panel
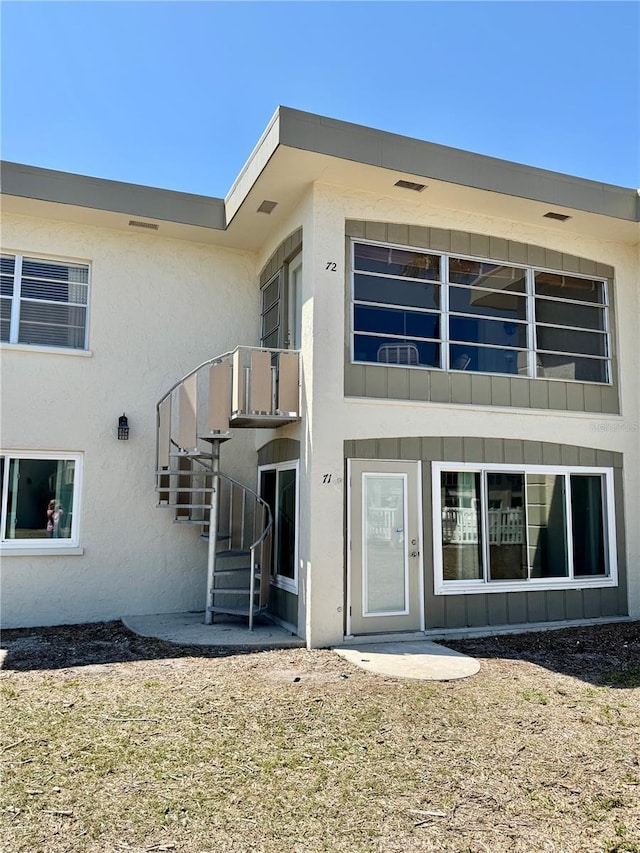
398, 384
435, 610
477, 615
574, 606
570, 263
536, 606
388, 448
473, 449
461, 387
419, 236
587, 456
481, 390
610, 403
558, 395
551, 454
453, 450
575, 397
456, 611
513, 451
354, 380
493, 450
516, 608
419, 385
433, 450
519, 393
539, 394
440, 391
556, 609
284, 605
375, 381
609, 602
592, 398
410, 449
497, 611
398, 234
592, 603
532, 453
569, 454
500, 391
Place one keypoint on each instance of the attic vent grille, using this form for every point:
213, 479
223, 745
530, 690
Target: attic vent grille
410, 185
267, 206
560, 217
135, 223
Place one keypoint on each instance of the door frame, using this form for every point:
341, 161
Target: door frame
290, 584
420, 513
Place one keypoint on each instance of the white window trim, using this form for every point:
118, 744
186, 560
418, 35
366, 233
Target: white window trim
529, 295
13, 343
37, 547
288, 584
442, 587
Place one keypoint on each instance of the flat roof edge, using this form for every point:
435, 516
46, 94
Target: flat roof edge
405, 155
115, 196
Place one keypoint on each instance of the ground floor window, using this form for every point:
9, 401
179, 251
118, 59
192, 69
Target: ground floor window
278, 485
532, 526
40, 497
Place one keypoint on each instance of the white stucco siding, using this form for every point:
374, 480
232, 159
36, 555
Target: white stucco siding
336, 418
158, 307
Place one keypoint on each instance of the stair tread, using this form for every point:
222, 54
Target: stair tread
234, 552
233, 591
234, 611
232, 570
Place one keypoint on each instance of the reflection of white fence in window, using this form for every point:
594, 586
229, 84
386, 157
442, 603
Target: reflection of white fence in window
460, 526
380, 523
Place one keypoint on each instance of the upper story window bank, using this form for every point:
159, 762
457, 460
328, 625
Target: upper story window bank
43, 302
419, 308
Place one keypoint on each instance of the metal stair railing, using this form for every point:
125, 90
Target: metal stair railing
251, 532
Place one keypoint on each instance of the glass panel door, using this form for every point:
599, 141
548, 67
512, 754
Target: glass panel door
385, 553
385, 564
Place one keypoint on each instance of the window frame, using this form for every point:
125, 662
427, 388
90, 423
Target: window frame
531, 351
37, 544
276, 579
17, 301
485, 584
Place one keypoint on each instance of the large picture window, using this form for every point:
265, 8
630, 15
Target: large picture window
40, 498
498, 528
425, 309
43, 302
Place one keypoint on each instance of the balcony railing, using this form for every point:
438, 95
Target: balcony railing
248, 387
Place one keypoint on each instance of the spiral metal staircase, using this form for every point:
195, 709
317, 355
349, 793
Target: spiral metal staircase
247, 388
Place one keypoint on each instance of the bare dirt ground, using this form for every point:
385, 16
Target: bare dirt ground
113, 742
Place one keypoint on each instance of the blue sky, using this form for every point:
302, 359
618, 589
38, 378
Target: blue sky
176, 94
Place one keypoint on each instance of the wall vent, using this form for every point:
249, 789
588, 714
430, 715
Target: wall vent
135, 223
267, 206
559, 217
410, 185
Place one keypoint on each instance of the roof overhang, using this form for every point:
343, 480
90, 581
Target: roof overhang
299, 149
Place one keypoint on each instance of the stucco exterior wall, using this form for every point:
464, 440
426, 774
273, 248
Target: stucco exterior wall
158, 307
337, 418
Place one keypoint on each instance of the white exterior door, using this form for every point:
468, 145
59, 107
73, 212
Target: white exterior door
385, 590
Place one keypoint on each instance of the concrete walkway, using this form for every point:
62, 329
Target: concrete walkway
188, 629
419, 659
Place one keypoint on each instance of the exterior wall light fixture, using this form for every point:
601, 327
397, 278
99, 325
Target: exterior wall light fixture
123, 428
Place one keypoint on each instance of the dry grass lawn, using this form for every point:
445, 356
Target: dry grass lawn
113, 742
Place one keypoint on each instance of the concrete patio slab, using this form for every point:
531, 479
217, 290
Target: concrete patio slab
421, 660
188, 629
